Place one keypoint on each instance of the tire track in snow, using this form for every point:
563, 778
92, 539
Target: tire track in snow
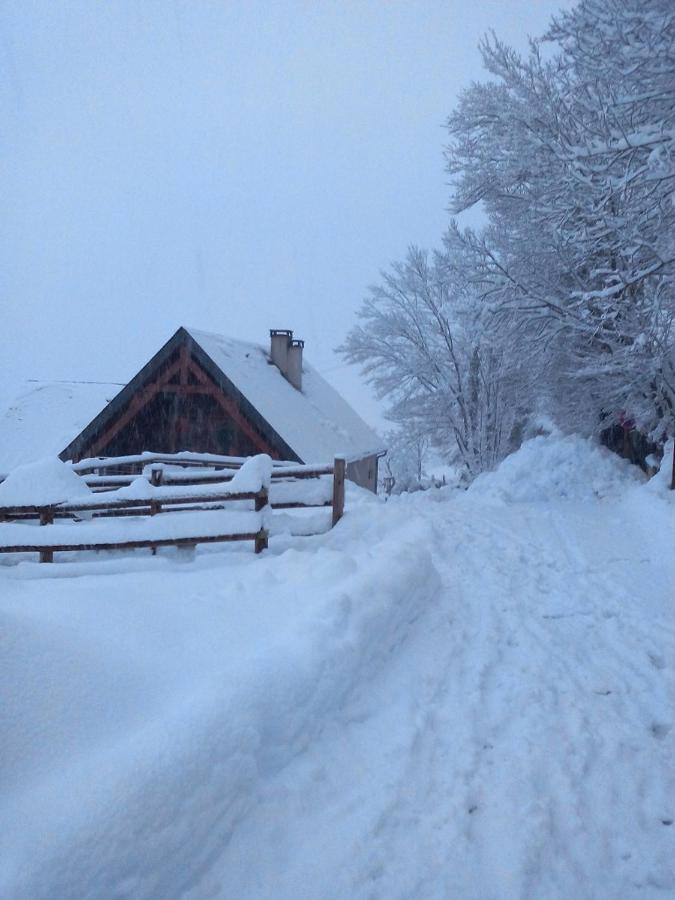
564, 762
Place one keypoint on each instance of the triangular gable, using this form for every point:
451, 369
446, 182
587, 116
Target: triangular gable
183, 364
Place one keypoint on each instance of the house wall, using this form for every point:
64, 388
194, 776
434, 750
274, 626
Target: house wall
171, 422
364, 472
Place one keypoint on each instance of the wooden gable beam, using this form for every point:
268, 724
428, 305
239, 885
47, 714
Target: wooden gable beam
233, 411
140, 399
184, 364
198, 372
184, 358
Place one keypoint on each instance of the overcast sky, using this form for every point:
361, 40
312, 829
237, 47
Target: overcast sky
234, 166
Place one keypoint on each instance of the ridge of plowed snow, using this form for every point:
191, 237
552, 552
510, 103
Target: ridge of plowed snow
224, 684
557, 466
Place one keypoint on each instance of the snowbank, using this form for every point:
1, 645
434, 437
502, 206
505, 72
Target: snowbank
40, 483
556, 466
160, 704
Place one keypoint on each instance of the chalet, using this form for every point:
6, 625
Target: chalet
209, 393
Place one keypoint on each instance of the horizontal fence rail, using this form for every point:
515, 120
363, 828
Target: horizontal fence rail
136, 462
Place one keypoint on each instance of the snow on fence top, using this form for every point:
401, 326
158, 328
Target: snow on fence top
254, 475
184, 458
191, 513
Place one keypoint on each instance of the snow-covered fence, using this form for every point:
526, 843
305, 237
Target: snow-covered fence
186, 468
162, 484
71, 536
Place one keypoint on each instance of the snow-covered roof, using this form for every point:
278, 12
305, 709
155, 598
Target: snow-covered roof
39, 418
316, 422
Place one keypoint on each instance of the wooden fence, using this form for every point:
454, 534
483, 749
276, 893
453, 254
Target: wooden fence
180, 483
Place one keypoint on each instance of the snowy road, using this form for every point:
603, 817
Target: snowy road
450, 695
517, 745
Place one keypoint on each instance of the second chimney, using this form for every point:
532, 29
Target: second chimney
294, 369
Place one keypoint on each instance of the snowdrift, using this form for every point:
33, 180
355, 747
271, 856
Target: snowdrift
556, 467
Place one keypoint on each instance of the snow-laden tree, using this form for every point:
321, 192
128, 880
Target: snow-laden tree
422, 344
572, 159
404, 464
564, 302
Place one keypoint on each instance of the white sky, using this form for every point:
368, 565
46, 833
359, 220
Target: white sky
234, 166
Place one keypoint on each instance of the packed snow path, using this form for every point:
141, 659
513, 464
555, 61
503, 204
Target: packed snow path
473, 699
517, 745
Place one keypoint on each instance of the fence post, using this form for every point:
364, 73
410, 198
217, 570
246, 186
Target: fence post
156, 478
339, 467
46, 518
261, 538
261, 541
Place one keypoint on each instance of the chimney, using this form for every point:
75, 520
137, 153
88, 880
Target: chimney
280, 339
294, 368
286, 354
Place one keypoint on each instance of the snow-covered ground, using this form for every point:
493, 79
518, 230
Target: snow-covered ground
451, 694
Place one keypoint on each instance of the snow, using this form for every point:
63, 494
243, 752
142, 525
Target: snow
316, 423
39, 418
450, 694
41, 483
139, 489
168, 526
566, 467
660, 483
309, 490
254, 475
